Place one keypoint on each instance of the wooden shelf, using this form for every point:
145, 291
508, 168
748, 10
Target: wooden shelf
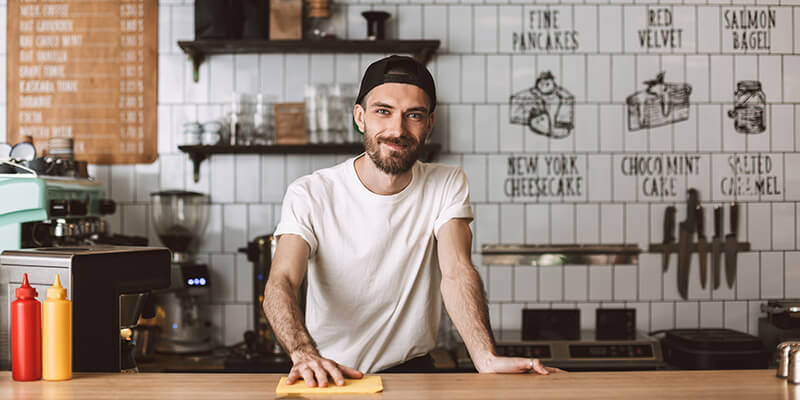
197, 50
198, 153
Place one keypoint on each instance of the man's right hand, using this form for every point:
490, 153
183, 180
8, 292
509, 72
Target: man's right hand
315, 371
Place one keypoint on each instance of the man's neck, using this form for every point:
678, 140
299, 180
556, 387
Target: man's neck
377, 181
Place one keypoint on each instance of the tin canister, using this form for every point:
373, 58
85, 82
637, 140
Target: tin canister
793, 372
783, 350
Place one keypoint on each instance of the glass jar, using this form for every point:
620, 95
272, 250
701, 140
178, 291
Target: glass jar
749, 108
263, 130
343, 95
240, 119
315, 95
317, 24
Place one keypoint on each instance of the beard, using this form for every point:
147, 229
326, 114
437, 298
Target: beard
396, 162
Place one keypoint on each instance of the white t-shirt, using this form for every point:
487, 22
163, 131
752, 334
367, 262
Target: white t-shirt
373, 297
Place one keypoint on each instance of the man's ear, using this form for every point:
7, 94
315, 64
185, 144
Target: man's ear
430, 127
358, 117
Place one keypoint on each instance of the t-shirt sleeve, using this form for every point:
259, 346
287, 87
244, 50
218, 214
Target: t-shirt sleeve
456, 200
296, 216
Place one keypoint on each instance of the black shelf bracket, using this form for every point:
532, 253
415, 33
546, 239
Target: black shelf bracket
197, 158
197, 59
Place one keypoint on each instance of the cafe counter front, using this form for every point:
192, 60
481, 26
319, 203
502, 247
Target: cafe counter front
728, 385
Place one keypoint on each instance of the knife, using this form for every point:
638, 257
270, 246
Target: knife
716, 248
669, 236
683, 259
684, 241
702, 246
730, 245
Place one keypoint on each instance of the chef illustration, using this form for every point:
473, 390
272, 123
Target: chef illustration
382, 238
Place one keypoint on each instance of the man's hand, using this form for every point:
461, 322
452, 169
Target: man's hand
281, 308
315, 371
513, 365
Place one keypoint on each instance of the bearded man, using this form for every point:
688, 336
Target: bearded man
383, 238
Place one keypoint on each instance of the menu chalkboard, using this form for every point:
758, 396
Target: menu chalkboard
85, 69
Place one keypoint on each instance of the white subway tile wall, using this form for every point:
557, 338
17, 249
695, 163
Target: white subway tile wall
489, 52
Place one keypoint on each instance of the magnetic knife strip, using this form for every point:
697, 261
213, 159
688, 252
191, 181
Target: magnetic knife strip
694, 226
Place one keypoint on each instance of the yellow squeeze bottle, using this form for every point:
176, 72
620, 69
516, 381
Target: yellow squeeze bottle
56, 334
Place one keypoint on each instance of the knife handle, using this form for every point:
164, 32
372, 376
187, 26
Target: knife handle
734, 218
692, 201
718, 221
669, 224
700, 215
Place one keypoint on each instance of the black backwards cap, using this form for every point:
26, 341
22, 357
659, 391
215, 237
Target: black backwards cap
416, 75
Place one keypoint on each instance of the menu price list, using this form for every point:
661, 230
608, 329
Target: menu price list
85, 69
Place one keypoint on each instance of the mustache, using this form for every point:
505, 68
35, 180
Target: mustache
400, 140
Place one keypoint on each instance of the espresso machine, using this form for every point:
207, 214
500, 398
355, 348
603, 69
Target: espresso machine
262, 352
107, 286
181, 311
45, 211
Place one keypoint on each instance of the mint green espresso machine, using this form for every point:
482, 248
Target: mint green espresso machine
46, 211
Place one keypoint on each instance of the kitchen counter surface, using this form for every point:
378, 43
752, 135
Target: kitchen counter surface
729, 385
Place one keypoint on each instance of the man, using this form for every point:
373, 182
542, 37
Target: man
382, 238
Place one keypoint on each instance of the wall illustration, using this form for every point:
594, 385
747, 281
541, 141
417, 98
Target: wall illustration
749, 108
546, 108
661, 103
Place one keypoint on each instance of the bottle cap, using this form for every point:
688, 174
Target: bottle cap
25, 291
56, 292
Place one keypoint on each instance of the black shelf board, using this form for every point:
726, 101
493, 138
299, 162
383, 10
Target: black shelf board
197, 50
198, 153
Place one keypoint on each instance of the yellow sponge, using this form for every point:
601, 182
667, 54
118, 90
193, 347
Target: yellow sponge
367, 384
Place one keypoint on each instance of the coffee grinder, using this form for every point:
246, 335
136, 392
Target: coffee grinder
181, 311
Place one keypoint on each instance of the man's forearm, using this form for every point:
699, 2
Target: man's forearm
284, 315
466, 304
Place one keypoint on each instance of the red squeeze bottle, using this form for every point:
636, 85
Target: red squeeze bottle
26, 334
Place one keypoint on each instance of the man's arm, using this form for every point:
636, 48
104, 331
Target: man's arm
282, 309
465, 301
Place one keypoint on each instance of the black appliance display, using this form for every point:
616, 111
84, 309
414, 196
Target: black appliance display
713, 349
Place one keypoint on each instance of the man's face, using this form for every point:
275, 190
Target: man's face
396, 122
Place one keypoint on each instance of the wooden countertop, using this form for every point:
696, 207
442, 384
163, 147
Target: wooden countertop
728, 385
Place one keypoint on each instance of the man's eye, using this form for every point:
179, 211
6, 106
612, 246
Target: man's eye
382, 111
415, 115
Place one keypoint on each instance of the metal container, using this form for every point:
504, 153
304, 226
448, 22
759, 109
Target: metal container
793, 372
260, 252
783, 351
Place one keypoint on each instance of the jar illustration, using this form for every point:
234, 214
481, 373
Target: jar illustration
749, 108
546, 108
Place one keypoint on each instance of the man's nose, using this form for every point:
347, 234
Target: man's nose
396, 125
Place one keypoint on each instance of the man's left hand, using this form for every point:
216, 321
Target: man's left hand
514, 365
